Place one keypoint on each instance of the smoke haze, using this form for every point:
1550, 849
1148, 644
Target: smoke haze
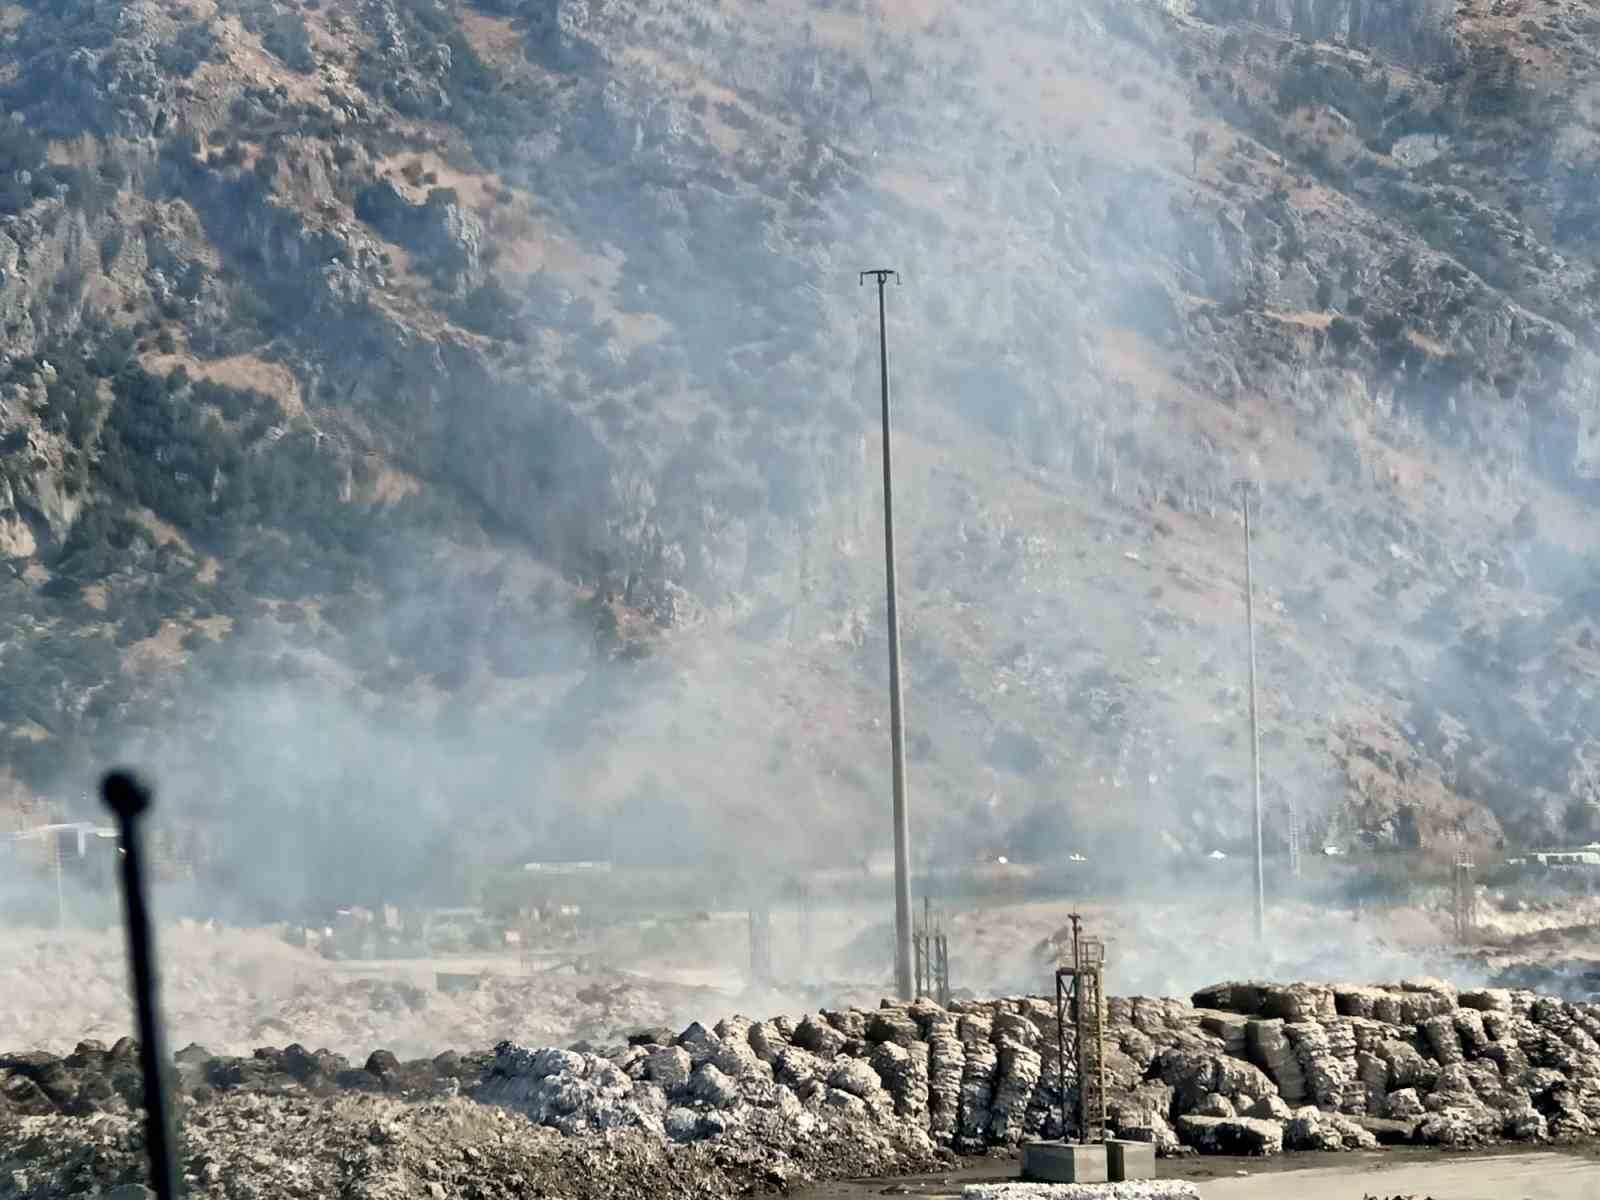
1127, 291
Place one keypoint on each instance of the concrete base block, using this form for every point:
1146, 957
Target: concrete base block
1143, 1189
1063, 1162
1130, 1160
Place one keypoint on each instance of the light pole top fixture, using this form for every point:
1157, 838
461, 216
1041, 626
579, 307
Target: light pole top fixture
882, 274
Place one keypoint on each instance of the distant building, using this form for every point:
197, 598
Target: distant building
1577, 856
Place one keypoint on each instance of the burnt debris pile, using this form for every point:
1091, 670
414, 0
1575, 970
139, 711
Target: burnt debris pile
1244, 1068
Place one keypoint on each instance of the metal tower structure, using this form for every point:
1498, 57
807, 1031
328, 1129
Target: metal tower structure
1080, 1006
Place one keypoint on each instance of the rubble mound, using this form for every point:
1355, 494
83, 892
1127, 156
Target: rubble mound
1247, 1068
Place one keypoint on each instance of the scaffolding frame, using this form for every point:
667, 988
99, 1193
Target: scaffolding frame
932, 952
1080, 1003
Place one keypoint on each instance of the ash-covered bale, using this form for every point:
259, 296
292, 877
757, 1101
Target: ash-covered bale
1149, 1015
1236, 997
947, 1059
1270, 1050
977, 1090
669, 1067
1507, 1057
1297, 1002
1231, 1135
928, 1014
893, 1025
819, 1037
1193, 1076
573, 1093
1407, 1067
1552, 1013
1440, 1035
1043, 1119
1487, 1000
904, 1073
1310, 1129
733, 1055
1524, 1123
1488, 1085
1500, 1026
1404, 1104
1139, 1047
1470, 1033
1269, 1108
1569, 1119
1214, 1104
1424, 998
854, 1076
975, 1028
849, 1021
796, 1067
1147, 1125
711, 1086
1230, 1028
1580, 1040
768, 1041
1041, 1014
700, 1042
1325, 1074
630, 1059
1369, 1034
733, 1029
1013, 1027
1016, 1077
1306, 1131
1353, 1000
655, 1035
1341, 1037
1388, 1009
1457, 1126
1372, 1073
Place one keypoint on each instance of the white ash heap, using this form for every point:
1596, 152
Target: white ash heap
1245, 1069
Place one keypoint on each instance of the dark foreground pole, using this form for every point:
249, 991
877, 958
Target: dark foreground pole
904, 983
128, 798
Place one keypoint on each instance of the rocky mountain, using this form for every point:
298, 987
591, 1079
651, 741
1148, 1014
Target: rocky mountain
466, 409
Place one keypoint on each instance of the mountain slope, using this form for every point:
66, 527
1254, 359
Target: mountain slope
467, 411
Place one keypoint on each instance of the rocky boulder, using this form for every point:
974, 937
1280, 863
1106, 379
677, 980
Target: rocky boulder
1246, 1136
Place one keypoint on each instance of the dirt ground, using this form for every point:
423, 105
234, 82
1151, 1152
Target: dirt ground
1498, 1177
1404, 1173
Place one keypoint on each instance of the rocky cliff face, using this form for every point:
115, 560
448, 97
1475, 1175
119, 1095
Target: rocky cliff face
286, 289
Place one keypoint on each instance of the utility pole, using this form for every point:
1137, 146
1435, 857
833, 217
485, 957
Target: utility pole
904, 983
55, 856
1255, 738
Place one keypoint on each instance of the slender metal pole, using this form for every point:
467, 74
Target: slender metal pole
904, 983
129, 799
61, 896
1255, 738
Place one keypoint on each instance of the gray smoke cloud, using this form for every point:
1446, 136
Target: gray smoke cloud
1073, 418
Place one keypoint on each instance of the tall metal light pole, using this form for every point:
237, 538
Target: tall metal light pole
902, 820
1255, 738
